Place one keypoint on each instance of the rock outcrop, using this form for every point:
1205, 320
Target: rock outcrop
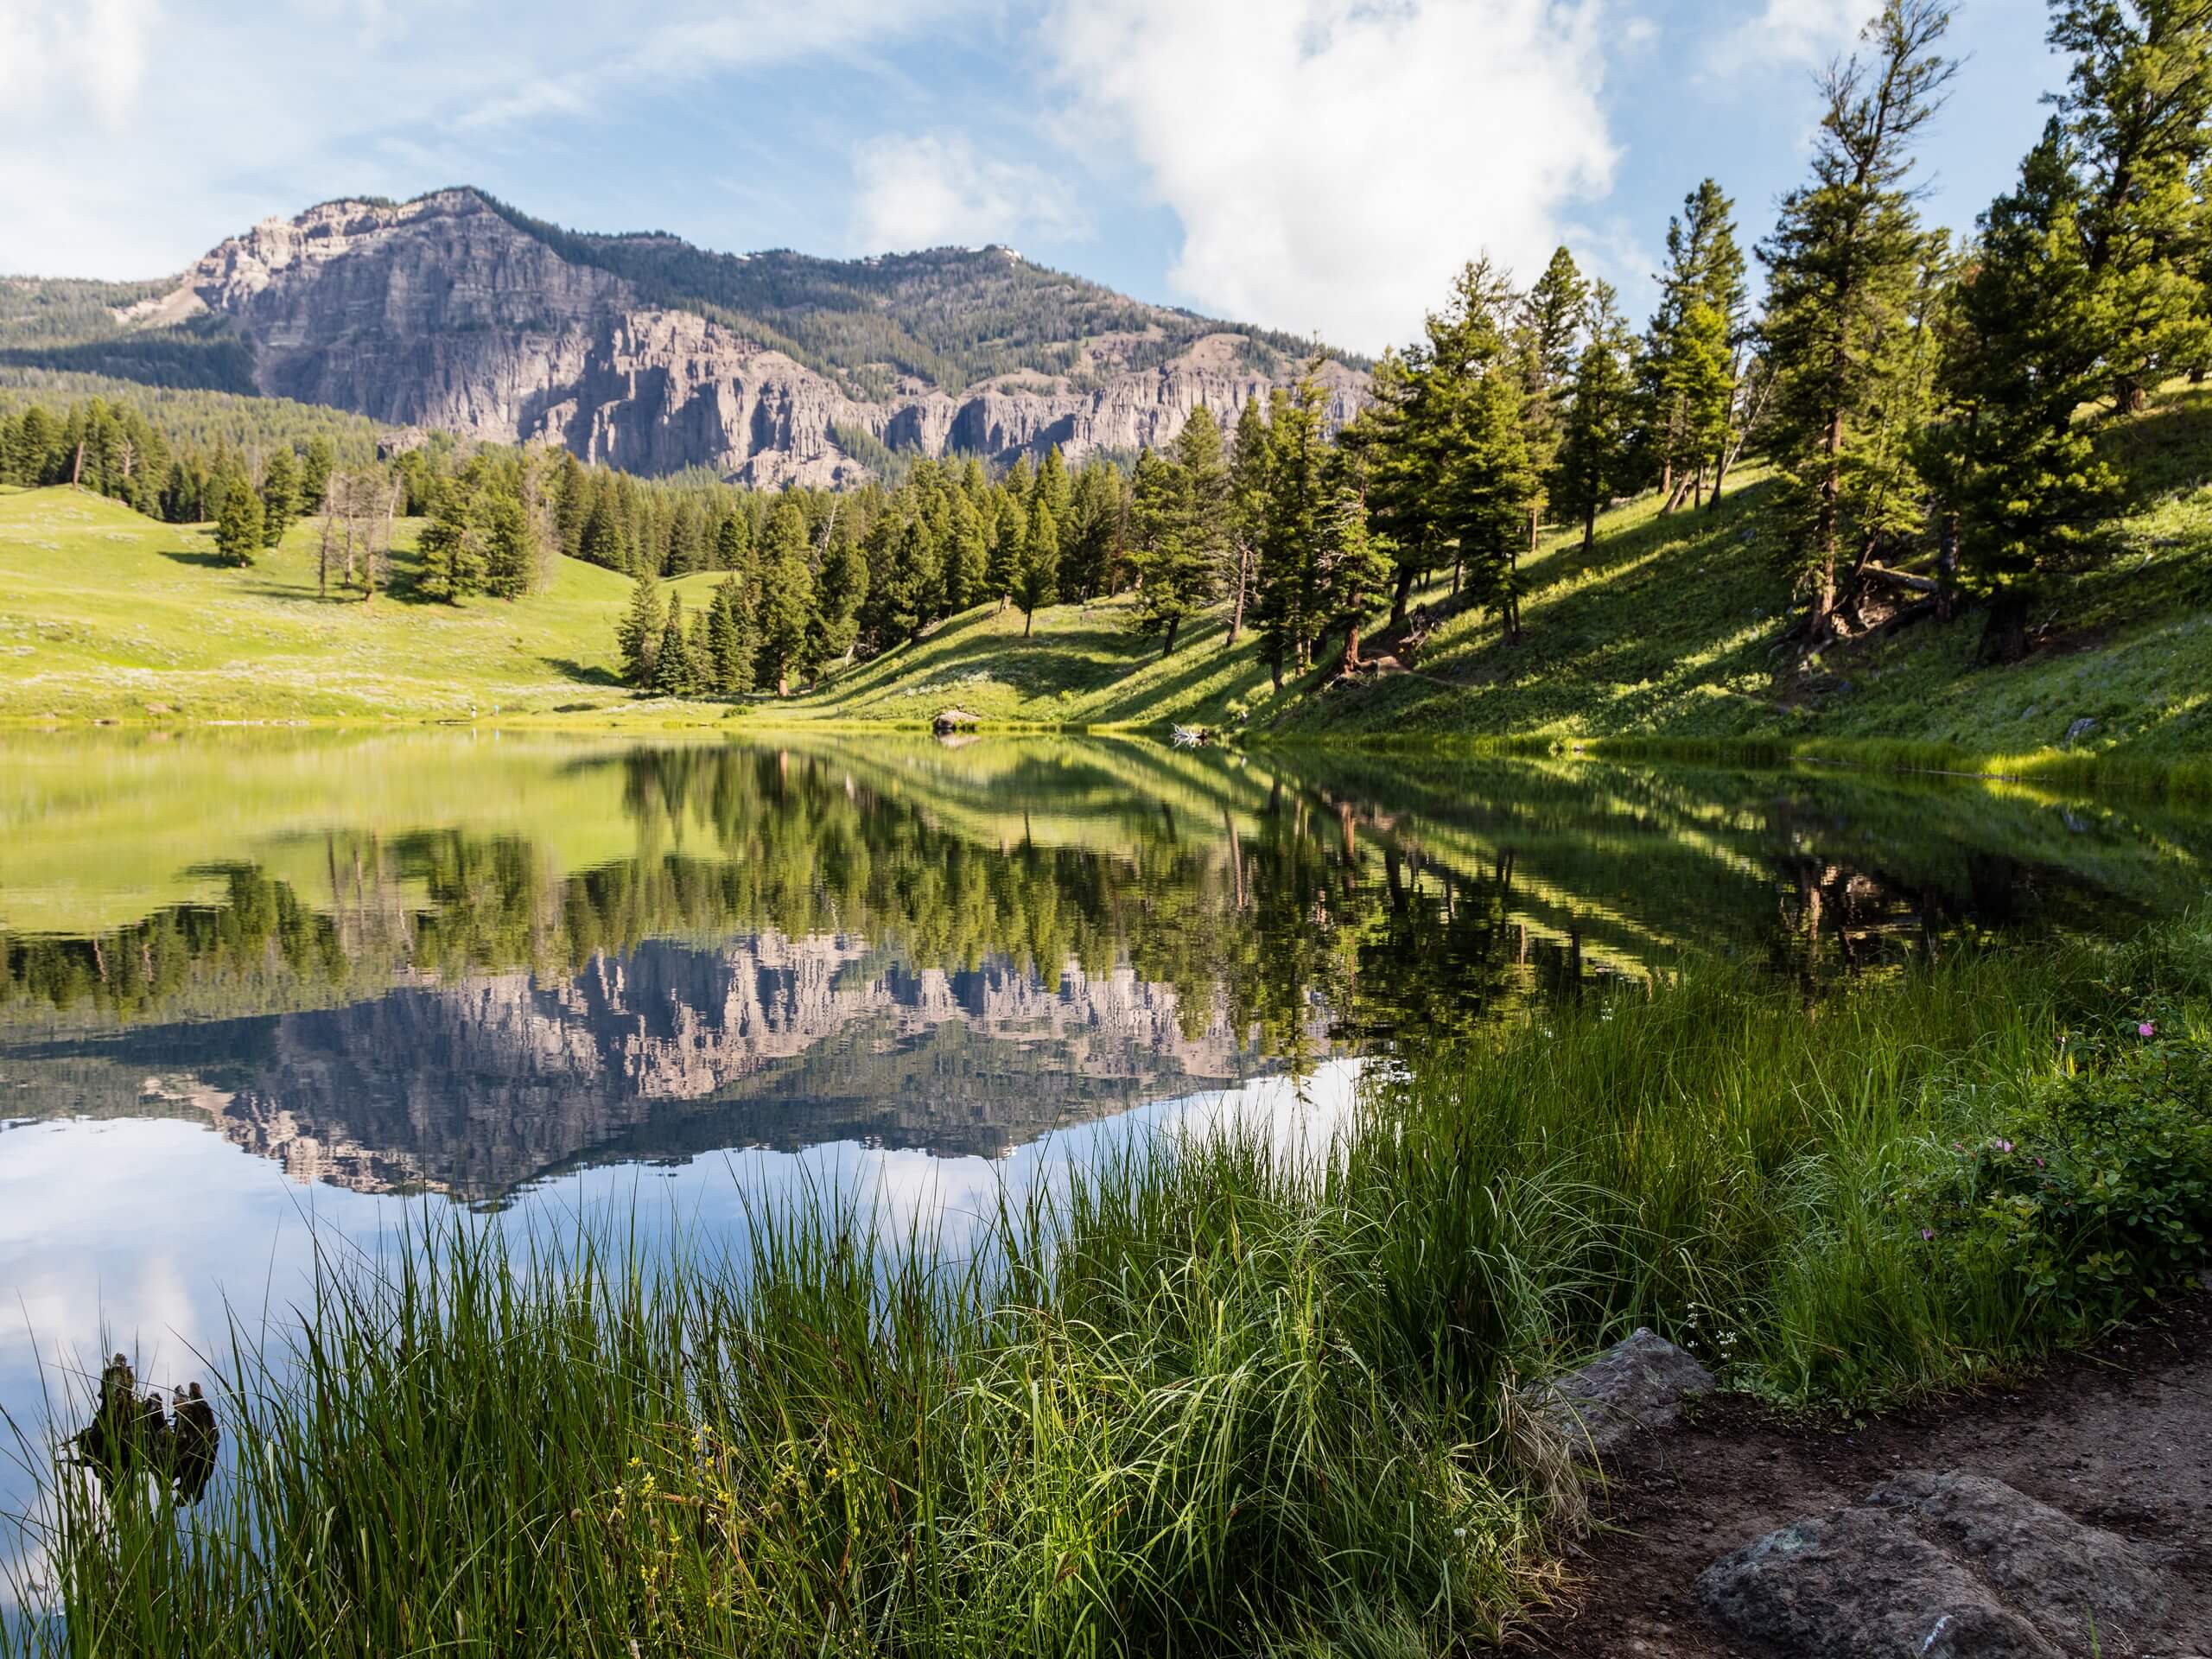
1634, 1385
1951, 1566
446, 313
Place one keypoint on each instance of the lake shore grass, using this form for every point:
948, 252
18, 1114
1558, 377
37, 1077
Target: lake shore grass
1202, 1398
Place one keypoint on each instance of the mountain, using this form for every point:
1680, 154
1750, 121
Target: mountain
456, 313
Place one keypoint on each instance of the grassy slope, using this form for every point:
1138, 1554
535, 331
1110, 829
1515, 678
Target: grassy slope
103, 613
1671, 631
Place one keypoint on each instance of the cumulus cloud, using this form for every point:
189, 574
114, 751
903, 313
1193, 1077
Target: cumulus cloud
1802, 32
934, 189
1333, 162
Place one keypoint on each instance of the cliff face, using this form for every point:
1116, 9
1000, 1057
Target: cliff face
443, 313
480, 1085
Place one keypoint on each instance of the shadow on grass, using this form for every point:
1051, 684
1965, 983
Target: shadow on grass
204, 561
582, 673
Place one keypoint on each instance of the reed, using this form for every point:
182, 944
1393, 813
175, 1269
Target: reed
1198, 1398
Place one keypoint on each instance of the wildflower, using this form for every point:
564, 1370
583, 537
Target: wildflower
2002, 1146
2148, 1028
1928, 1232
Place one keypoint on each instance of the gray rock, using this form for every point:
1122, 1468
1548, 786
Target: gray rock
1637, 1384
2080, 729
442, 314
1951, 1565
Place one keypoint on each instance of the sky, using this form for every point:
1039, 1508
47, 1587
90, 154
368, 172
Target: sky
1319, 166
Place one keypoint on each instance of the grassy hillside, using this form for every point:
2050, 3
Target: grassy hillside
104, 614
1672, 631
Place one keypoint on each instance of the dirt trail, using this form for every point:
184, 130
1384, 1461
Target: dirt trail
2121, 1438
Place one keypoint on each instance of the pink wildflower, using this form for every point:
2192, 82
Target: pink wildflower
2147, 1029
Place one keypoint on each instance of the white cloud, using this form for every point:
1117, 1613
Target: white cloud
135, 133
1801, 32
934, 189
1333, 162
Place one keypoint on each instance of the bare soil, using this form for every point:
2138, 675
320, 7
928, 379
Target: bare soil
2119, 1437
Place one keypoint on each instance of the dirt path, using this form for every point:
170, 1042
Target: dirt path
2121, 1438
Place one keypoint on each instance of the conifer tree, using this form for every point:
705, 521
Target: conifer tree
916, 580
280, 497
728, 664
1186, 530
314, 474
676, 674
1248, 498
840, 589
1550, 321
1003, 572
638, 634
1039, 582
786, 596
238, 526
1690, 359
512, 563
2138, 113
966, 554
455, 545
2020, 480
1285, 612
1844, 269
1057, 489
1593, 461
1352, 566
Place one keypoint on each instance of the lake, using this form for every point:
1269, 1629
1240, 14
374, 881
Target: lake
263, 990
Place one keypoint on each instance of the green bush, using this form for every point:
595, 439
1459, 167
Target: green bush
2104, 1195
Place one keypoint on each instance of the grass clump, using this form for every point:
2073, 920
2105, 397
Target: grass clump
1200, 1397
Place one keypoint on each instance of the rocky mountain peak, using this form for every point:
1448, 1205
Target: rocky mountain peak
454, 312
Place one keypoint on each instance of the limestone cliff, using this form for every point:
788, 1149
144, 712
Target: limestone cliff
451, 313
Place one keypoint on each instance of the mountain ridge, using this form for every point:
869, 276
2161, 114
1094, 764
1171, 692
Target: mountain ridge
455, 312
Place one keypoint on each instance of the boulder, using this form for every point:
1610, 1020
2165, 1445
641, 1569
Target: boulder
1950, 1566
1637, 1384
2080, 729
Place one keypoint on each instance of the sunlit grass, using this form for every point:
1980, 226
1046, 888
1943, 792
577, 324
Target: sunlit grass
1201, 1398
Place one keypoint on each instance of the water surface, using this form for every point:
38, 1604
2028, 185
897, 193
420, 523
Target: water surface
253, 985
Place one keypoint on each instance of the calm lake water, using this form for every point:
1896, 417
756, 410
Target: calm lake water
257, 989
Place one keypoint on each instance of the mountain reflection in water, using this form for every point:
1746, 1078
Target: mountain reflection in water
579, 954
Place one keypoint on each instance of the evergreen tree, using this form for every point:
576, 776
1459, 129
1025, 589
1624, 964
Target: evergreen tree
1284, 611
638, 634
314, 474
1691, 355
1186, 529
1594, 460
2138, 112
786, 596
1003, 573
237, 526
280, 497
1550, 320
966, 553
1247, 498
1487, 484
841, 590
1039, 582
728, 663
1352, 566
513, 553
676, 673
1053, 482
455, 545
1844, 268
916, 581
2021, 482
1092, 553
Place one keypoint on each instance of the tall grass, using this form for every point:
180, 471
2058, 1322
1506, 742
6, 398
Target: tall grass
1201, 1399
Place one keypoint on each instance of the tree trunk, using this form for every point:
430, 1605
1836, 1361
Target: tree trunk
1275, 669
1590, 529
1825, 529
1236, 611
77, 471
1028, 621
783, 683
1719, 473
1352, 645
1401, 595
1947, 567
1458, 564
1168, 650
2004, 633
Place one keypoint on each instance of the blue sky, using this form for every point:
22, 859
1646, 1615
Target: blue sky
1316, 165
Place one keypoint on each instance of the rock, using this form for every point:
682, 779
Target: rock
444, 314
2080, 729
952, 720
2031, 711
1951, 1565
1633, 1385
